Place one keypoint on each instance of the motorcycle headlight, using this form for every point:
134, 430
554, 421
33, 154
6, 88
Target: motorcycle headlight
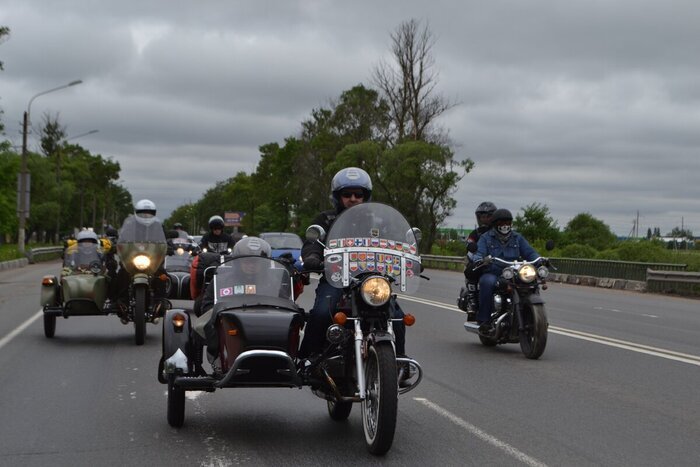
141, 262
180, 251
543, 272
507, 274
527, 273
375, 291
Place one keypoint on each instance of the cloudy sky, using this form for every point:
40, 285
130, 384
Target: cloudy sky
582, 105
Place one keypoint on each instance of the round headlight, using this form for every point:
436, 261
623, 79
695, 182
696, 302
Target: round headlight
375, 291
507, 274
527, 273
543, 272
142, 262
180, 251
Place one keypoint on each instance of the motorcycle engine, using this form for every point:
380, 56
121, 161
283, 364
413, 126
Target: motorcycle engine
497, 303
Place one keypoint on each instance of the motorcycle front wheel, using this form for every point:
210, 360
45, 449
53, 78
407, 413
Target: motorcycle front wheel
176, 404
381, 402
140, 314
533, 338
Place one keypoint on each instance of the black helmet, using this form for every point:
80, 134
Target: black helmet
487, 207
216, 222
501, 215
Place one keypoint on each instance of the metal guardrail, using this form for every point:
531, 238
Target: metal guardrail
681, 282
44, 253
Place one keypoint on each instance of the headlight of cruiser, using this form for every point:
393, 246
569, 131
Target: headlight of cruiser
507, 274
180, 251
142, 262
375, 291
527, 273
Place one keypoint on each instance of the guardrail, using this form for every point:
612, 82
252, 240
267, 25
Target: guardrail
44, 253
680, 282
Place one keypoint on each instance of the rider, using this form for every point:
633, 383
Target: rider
248, 246
501, 241
483, 214
216, 240
350, 186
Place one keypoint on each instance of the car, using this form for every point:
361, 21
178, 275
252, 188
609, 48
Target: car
284, 242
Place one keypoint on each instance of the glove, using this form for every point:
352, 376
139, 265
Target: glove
487, 260
313, 262
287, 259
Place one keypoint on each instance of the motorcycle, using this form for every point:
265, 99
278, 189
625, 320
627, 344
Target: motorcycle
255, 323
81, 290
519, 314
142, 248
177, 266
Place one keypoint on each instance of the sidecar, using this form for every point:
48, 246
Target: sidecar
81, 289
252, 328
177, 266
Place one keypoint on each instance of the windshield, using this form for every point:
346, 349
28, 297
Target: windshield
252, 275
283, 241
372, 237
82, 257
134, 230
178, 262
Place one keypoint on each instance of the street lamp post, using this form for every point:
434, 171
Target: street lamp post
23, 184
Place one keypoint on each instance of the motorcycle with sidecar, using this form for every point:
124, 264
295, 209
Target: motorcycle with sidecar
177, 266
81, 289
253, 327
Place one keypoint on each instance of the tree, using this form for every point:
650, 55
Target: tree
409, 84
9, 166
536, 223
678, 232
585, 229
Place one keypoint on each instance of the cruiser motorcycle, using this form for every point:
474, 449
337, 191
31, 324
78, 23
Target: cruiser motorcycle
253, 326
519, 314
142, 247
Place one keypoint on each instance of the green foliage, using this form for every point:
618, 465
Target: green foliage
449, 248
9, 166
9, 252
576, 250
536, 223
585, 229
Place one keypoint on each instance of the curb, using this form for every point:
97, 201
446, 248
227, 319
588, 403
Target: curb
618, 284
13, 264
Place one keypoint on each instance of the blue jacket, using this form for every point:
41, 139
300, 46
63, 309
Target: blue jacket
515, 248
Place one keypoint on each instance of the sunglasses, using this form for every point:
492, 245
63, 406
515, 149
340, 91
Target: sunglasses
350, 194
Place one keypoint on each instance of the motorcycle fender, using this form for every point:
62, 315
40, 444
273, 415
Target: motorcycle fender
379, 336
140, 279
175, 340
49, 293
535, 299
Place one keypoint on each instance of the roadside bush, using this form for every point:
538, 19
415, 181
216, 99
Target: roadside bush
576, 250
451, 248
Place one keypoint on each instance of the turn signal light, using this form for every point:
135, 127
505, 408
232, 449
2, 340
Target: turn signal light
340, 318
47, 281
232, 332
179, 320
163, 277
409, 320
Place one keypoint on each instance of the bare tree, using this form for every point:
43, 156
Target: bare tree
409, 83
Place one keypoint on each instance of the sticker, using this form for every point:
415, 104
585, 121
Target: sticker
250, 289
333, 244
399, 246
363, 265
391, 244
336, 277
383, 243
225, 292
409, 273
370, 266
239, 289
334, 258
349, 242
353, 256
381, 267
374, 242
362, 256
353, 266
374, 232
370, 256
360, 242
412, 249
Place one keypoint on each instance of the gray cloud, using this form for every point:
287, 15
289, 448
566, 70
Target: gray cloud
582, 106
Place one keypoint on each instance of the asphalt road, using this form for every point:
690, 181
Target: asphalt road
617, 385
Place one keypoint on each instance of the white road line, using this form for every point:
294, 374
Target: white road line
620, 344
481, 434
20, 328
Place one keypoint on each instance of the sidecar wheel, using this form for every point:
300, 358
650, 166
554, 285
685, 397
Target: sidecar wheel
140, 315
381, 403
176, 405
533, 339
49, 325
339, 410
487, 341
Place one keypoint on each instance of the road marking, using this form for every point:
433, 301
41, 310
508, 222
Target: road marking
600, 308
20, 328
620, 344
481, 434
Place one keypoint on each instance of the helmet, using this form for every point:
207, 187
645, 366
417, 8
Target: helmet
177, 226
144, 207
111, 232
216, 222
486, 208
87, 236
252, 246
350, 177
501, 215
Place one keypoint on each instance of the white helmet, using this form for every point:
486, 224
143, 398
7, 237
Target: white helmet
252, 246
86, 236
145, 206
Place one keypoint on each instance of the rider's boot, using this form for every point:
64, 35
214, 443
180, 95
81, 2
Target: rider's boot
198, 359
472, 301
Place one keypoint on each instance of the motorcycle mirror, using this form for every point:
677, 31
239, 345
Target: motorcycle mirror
316, 233
414, 232
472, 247
549, 246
